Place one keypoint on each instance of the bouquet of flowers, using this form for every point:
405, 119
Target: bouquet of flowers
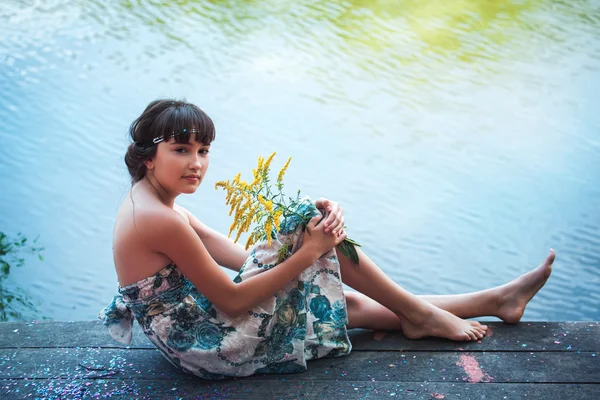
265, 209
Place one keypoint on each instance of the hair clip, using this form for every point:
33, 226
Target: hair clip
159, 139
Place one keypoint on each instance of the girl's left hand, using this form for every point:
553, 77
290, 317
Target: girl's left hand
334, 222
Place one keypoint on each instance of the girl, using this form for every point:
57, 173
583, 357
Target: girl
271, 318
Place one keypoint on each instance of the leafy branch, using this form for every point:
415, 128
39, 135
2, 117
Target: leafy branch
12, 300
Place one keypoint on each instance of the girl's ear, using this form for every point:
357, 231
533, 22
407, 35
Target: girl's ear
149, 164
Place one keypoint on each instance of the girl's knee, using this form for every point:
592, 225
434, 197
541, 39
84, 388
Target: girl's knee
354, 300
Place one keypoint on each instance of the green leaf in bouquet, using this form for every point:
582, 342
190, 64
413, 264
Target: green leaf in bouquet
347, 248
352, 242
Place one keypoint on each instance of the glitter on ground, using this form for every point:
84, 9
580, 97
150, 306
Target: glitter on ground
473, 370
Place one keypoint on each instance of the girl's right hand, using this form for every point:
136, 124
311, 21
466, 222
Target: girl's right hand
315, 238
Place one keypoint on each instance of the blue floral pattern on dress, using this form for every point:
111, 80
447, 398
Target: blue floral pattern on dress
303, 321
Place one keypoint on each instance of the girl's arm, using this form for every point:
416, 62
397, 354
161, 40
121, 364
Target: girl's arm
167, 233
221, 248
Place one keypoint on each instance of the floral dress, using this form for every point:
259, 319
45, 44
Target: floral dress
303, 321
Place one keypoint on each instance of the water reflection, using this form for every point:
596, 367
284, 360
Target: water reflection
461, 135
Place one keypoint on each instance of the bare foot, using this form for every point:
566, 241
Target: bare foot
515, 295
436, 322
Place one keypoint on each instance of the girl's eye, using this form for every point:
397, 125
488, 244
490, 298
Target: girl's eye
180, 150
204, 151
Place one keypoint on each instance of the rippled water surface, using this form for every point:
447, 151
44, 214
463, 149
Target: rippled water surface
461, 137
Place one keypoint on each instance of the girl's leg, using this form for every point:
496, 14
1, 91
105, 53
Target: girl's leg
366, 313
506, 302
420, 316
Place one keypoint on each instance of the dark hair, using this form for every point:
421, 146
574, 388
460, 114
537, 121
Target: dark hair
163, 118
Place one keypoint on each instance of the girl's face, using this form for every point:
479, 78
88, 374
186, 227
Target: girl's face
180, 167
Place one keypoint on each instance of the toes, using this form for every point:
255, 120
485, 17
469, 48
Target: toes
479, 327
472, 335
477, 333
475, 324
551, 257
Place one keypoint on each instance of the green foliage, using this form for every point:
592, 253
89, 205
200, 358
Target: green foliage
12, 301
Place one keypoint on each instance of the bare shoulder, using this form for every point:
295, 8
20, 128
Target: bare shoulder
137, 234
157, 224
185, 214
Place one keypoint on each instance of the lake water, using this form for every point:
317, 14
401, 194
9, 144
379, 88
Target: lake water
462, 138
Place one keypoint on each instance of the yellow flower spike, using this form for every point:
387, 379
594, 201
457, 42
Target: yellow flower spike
282, 172
268, 230
238, 211
234, 203
276, 219
269, 206
268, 162
260, 163
242, 215
250, 216
248, 242
248, 209
256, 182
251, 186
238, 236
247, 224
251, 240
232, 227
245, 200
237, 177
222, 184
228, 198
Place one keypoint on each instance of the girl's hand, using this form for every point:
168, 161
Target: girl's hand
334, 222
315, 238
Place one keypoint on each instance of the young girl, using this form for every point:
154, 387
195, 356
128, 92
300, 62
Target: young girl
271, 318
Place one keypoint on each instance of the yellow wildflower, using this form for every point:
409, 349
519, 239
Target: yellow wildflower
250, 241
238, 212
232, 227
249, 218
229, 194
269, 206
268, 162
282, 172
268, 229
261, 199
235, 202
256, 182
276, 218
238, 236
